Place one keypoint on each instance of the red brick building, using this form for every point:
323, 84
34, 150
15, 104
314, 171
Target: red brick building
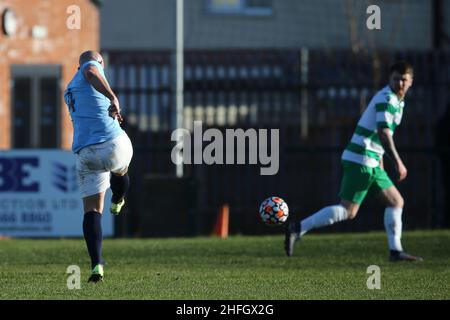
40, 42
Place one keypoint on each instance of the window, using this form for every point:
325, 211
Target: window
241, 7
21, 112
35, 106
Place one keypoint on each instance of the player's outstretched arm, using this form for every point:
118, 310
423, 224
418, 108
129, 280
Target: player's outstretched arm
93, 76
389, 146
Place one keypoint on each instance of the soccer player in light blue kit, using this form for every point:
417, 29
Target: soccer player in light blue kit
364, 173
103, 150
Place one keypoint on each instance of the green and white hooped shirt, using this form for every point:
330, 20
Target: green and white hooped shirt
385, 110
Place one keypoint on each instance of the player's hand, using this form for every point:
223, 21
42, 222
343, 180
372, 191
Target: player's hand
401, 170
114, 110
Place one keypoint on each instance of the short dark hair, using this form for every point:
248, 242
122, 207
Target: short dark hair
402, 67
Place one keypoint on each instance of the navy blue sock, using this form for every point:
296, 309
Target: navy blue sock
119, 187
92, 230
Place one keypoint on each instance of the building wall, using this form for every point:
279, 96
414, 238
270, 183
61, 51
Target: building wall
406, 24
61, 46
143, 24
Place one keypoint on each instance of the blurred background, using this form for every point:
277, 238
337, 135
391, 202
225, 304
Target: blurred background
308, 68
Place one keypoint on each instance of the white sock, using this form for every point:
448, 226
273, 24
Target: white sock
325, 217
393, 225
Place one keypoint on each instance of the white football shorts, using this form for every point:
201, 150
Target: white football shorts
95, 162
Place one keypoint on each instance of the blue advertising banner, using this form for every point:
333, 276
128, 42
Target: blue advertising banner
39, 195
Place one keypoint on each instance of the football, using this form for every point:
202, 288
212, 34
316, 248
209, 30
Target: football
274, 211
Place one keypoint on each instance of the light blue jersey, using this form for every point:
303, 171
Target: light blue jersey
89, 111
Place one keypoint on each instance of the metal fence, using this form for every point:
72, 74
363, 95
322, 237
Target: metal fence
313, 97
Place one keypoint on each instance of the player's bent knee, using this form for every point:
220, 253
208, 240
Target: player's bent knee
94, 203
351, 208
398, 202
401, 203
121, 173
93, 210
352, 215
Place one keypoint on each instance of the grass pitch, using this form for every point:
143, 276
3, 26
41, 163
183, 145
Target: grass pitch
330, 266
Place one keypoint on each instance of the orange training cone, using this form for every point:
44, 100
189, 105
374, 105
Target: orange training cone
221, 227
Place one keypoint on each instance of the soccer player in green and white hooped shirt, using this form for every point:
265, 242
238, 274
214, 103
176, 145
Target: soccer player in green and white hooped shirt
363, 170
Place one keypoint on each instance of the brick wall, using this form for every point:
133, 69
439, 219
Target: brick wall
61, 46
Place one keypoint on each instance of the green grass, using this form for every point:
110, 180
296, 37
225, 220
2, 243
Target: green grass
331, 266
